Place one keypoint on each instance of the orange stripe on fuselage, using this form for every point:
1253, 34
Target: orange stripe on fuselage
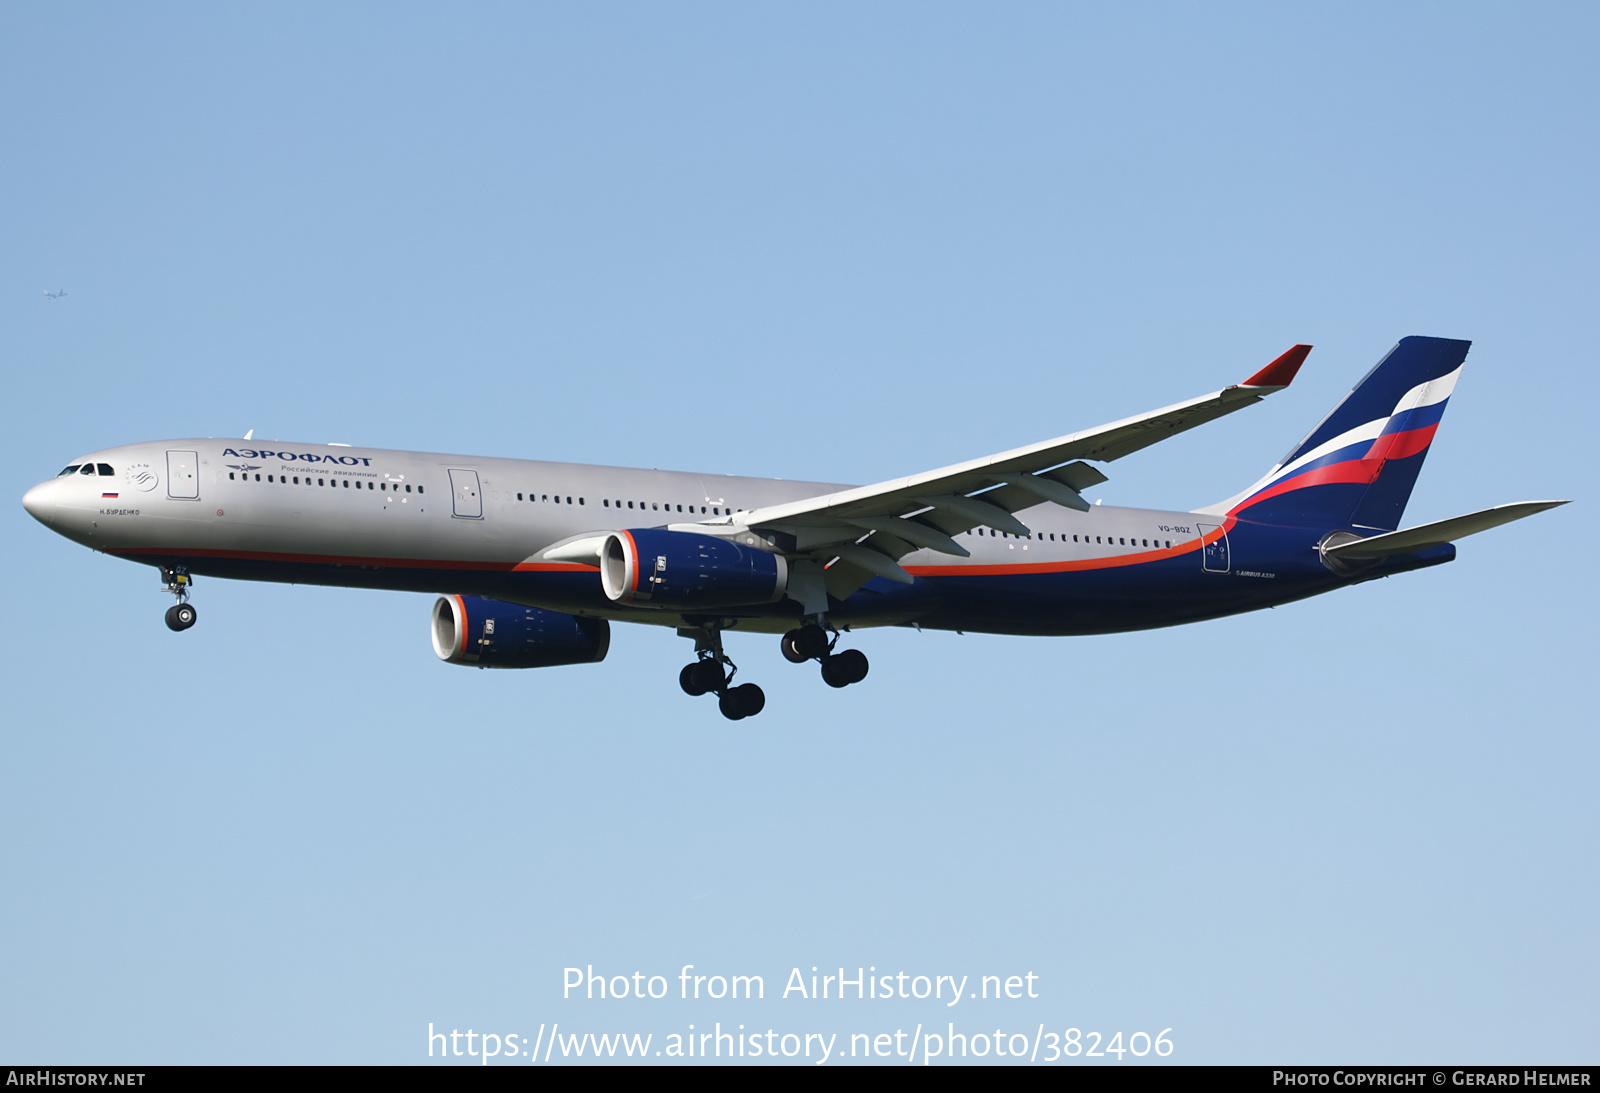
1109, 562
379, 563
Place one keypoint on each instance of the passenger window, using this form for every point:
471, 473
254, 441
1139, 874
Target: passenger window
1169, 544
580, 500
320, 482
258, 478
230, 476
346, 483
630, 504
104, 469
408, 488
605, 503
1124, 542
369, 485
519, 497
419, 489
297, 479
70, 470
569, 500
655, 507
269, 478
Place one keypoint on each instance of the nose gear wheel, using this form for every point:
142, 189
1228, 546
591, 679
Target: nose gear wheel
181, 615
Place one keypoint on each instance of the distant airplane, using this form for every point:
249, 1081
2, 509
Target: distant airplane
534, 560
56, 295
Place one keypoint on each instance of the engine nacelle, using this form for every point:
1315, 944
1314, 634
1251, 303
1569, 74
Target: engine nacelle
495, 634
680, 569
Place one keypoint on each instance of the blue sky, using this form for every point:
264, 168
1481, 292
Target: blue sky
834, 243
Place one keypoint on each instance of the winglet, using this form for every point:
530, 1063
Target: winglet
1281, 372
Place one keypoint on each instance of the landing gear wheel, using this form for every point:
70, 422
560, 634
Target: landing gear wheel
180, 616
738, 703
853, 663
805, 643
710, 675
689, 681
791, 648
701, 677
845, 668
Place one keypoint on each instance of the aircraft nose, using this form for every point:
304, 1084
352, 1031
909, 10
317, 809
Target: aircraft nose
37, 502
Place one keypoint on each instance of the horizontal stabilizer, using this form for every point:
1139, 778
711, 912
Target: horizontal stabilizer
1411, 540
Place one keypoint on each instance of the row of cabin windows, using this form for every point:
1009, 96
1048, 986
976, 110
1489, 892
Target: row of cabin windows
654, 506
1109, 540
285, 480
102, 469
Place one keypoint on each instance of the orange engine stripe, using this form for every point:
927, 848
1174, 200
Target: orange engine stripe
633, 548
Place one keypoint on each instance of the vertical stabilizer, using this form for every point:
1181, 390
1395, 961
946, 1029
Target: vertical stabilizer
1359, 464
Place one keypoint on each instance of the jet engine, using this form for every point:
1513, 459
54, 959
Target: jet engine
494, 634
649, 567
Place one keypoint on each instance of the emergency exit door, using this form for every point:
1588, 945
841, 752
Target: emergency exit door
466, 496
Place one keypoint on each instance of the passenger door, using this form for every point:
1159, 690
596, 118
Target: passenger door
183, 476
466, 496
1214, 556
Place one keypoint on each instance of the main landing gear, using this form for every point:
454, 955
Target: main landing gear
712, 673
181, 615
811, 642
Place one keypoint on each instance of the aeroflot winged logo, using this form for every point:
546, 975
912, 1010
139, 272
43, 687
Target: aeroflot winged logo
290, 457
141, 477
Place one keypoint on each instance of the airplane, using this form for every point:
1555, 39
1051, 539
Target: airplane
532, 561
56, 295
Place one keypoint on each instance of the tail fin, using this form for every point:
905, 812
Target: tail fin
1358, 466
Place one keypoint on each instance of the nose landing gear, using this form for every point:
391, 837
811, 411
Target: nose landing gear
712, 672
181, 615
811, 642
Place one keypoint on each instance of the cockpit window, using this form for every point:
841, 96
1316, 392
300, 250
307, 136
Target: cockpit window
88, 468
104, 469
70, 470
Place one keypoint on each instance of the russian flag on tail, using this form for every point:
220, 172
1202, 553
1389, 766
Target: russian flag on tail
1359, 464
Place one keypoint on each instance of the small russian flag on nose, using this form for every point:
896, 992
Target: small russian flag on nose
108, 495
